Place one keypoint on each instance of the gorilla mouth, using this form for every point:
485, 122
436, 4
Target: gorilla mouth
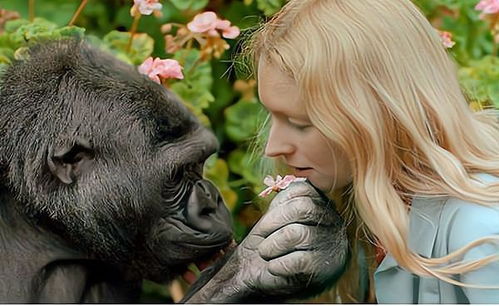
190, 276
187, 244
185, 235
195, 230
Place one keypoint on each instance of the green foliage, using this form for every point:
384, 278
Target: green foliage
242, 119
141, 47
242, 162
269, 7
194, 5
20, 33
478, 70
208, 85
195, 89
217, 171
481, 80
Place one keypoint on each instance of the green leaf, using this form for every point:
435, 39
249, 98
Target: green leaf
6, 55
6, 42
244, 164
479, 79
269, 7
193, 5
140, 49
72, 31
198, 97
12, 25
195, 88
217, 171
39, 29
242, 120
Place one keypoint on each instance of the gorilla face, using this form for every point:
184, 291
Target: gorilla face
109, 161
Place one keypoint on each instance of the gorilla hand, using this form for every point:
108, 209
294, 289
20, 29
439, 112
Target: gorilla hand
296, 250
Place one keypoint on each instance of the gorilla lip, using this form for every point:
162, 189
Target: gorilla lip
190, 276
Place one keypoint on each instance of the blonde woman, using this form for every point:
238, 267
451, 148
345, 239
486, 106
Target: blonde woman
365, 103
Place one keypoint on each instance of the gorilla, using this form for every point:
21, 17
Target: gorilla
101, 187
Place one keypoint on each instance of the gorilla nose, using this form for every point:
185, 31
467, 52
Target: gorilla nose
206, 210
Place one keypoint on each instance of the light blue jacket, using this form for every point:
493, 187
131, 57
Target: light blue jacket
439, 226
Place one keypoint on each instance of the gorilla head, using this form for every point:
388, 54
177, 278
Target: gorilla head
108, 161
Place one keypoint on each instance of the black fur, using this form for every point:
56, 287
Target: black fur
90, 232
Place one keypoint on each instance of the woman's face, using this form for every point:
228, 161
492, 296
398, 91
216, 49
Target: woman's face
293, 137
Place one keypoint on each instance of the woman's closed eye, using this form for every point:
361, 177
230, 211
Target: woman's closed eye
300, 125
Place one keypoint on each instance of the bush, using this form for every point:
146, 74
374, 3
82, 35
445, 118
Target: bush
223, 97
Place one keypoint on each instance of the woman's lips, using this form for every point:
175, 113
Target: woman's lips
303, 172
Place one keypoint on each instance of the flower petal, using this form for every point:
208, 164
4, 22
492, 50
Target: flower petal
284, 183
231, 32
203, 22
146, 7
222, 24
170, 68
269, 181
146, 66
265, 192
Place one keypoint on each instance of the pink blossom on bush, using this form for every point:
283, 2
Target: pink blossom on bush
145, 7
204, 22
228, 31
447, 39
209, 23
488, 6
167, 68
278, 184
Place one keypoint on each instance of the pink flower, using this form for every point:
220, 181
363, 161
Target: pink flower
204, 22
209, 23
167, 68
227, 30
488, 7
278, 184
447, 39
145, 7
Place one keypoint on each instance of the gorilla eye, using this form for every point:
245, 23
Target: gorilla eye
167, 132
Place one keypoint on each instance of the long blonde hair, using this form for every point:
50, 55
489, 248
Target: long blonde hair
377, 81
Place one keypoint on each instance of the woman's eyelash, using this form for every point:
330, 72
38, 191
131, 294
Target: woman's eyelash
299, 126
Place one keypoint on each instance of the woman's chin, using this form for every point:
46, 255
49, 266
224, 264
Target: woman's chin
322, 185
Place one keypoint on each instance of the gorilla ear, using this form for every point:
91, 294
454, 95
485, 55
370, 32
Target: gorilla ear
69, 162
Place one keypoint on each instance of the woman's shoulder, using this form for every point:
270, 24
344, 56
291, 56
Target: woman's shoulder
467, 221
468, 209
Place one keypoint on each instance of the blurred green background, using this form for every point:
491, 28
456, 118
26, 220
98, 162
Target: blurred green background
217, 86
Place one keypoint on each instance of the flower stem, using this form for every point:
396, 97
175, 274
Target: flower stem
133, 30
31, 10
78, 11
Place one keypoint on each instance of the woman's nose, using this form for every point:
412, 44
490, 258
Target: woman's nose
278, 143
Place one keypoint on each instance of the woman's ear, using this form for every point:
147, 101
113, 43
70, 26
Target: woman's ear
68, 162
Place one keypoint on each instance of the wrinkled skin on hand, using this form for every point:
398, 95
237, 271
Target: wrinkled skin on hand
296, 250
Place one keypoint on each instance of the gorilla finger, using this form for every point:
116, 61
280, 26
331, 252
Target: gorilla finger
294, 190
308, 265
295, 265
268, 281
298, 210
289, 238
